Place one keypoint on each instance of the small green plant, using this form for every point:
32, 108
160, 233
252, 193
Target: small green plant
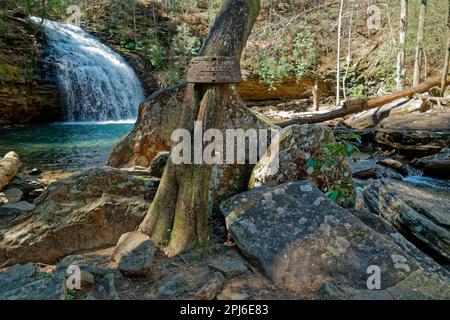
357, 91
272, 69
304, 53
70, 295
9, 73
330, 165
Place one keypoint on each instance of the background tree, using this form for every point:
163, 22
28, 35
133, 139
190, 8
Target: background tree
419, 44
401, 68
178, 216
447, 55
338, 63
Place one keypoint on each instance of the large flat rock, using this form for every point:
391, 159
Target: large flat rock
302, 240
421, 213
87, 211
426, 133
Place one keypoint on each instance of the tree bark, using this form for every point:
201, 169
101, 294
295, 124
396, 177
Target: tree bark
401, 69
419, 45
365, 104
338, 62
447, 56
178, 216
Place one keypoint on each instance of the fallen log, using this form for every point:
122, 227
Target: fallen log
9, 166
360, 105
433, 99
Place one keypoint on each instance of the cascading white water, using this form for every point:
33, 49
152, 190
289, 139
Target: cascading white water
95, 82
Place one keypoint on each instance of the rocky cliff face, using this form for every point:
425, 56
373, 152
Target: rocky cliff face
28, 86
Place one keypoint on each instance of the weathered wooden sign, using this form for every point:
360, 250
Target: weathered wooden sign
214, 70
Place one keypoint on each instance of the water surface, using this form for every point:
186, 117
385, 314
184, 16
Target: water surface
68, 146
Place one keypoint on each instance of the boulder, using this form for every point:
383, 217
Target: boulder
228, 267
437, 165
298, 145
9, 166
134, 254
426, 133
17, 208
211, 288
159, 164
375, 168
158, 118
28, 282
87, 211
300, 239
175, 286
13, 195
419, 285
421, 213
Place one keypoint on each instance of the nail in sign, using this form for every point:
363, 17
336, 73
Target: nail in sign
214, 70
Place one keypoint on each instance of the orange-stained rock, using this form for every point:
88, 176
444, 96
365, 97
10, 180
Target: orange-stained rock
289, 89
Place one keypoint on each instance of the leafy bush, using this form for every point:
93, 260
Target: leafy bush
330, 164
293, 56
357, 91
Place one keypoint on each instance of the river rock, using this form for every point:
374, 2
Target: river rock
437, 165
9, 166
13, 195
134, 253
421, 213
158, 118
297, 145
159, 164
27, 282
424, 134
175, 286
373, 168
419, 285
301, 239
211, 288
228, 267
18, 207
87, 211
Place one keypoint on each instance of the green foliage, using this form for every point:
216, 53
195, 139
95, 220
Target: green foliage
357, 91
292, 56
304, 53
70, 295
271, 68
333, 158
9, 73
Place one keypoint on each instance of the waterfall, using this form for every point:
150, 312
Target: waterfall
96, 83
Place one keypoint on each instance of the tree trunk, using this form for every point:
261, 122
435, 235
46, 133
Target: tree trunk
134, 22
349, 54
447, 56
338, 62
401, 69
316, 95
360, 105
178, 216
419, 45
